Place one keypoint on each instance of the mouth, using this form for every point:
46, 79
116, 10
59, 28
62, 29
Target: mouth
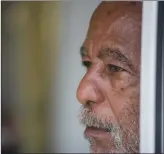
96, 132
98, 129
99, 137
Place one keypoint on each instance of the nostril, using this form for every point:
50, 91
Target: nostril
89, 102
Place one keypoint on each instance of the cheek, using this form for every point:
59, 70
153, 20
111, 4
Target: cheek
121, 81
125, 95
128, 119
131, 107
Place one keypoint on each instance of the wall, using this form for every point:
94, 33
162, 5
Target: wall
67, 132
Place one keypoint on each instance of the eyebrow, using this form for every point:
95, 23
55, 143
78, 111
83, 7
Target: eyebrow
111, 52
116, 54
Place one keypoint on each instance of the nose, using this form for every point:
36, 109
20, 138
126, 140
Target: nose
88, 92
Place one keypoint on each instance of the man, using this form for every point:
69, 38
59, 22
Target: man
109, 91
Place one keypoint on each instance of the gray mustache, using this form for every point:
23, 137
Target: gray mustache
89, 119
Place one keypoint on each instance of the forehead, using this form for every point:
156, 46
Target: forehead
115, 24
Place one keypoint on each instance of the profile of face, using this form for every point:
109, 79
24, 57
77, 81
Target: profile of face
110, 90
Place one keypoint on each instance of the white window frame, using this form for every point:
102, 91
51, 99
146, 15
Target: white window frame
148, 77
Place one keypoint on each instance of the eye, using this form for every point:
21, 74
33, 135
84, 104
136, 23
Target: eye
114, 68
87, 64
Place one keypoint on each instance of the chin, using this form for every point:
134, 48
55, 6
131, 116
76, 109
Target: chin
109, 146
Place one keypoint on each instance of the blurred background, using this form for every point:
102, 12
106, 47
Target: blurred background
41, 70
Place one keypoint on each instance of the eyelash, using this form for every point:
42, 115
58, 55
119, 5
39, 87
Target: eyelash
111, 68
114, 68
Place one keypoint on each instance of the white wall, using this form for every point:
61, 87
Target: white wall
67, 134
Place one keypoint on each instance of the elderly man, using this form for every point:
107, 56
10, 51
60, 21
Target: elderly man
109, 91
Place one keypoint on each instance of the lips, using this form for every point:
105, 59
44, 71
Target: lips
96, 132
100, 138
97, 129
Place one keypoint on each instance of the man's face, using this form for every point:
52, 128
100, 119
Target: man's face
109, 91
